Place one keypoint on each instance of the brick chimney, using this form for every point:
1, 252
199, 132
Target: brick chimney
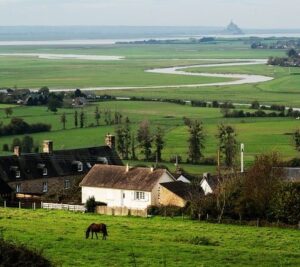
17, 151
110, 140
48, 146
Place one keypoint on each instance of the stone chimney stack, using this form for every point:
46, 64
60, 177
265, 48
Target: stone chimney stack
127, 167
48, 146
110, 140
17, 151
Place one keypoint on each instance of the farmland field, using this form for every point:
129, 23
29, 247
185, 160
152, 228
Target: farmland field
258, 134
148, 242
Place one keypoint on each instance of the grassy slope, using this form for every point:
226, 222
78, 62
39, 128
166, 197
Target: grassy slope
61, 237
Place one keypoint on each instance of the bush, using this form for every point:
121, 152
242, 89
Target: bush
19, 126
169, 211
13, 255
91, 204
5, 148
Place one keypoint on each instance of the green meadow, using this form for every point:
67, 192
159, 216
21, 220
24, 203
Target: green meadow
148, 241
258, 134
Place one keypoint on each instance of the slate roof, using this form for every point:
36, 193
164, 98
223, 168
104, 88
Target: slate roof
4, 188
117, 177
179, 188
58, 163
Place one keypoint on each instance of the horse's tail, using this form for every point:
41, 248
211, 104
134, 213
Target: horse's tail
105, 230
87, 233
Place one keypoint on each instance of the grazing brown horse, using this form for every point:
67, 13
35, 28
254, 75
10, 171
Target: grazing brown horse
96, 228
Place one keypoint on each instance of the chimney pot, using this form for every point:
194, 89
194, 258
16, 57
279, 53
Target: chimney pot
127, 167
110, 141
152, 169
17, 151
48, 146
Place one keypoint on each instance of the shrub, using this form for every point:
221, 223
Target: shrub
91, 204
5, 148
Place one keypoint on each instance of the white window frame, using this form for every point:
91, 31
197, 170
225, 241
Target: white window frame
45, 187
80, 167
18, 188
45, 171
18, 174
67, 184
139, 195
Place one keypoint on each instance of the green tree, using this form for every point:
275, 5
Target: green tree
16, 142
82, 119
127, 137
133, 154
296, 137
196, 141
44, 91
292, 53
76, 119
144, 138
227, 143
54, 103
120, 140
8, 111
27, 144
97, 116
63, 120
159, 143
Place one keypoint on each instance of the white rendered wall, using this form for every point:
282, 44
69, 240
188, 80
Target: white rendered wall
116, 197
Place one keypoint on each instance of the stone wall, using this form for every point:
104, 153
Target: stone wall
121, 211
168, 198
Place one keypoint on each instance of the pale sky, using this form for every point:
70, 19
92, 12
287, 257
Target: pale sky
246, 13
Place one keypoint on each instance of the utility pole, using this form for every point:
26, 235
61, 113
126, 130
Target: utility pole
242, 157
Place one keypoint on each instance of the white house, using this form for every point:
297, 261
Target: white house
183, 179
209, 183
121, 186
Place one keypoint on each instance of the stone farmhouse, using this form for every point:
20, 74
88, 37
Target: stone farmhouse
51, 171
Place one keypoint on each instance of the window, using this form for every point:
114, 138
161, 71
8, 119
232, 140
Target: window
77, 166
45, 187
67, 184
139, 195
80, 167
18, 174
18, 188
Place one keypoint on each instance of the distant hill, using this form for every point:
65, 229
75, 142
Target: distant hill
234, 29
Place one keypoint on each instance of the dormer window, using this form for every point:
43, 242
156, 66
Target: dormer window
43, 169
102, 160
16, 171
78, 166
45, 187
18, 188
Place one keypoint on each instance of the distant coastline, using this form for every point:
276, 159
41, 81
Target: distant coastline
111, 34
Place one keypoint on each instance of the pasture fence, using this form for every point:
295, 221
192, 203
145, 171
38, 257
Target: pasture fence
59, 206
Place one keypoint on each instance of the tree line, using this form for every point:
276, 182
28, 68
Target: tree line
152, 142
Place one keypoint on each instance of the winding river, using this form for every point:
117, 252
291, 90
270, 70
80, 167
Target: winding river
235, 79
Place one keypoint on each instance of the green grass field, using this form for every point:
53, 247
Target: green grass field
258, 134
34, 73
148, 242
